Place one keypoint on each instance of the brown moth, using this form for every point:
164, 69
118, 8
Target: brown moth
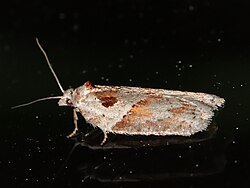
137, 111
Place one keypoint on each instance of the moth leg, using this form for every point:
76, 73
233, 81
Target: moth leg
75, 123
105, 136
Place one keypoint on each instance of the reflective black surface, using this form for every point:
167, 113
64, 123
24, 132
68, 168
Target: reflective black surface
193, 46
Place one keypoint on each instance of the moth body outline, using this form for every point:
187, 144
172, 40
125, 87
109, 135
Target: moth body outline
134, 110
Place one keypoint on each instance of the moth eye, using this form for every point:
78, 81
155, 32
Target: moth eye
68, 101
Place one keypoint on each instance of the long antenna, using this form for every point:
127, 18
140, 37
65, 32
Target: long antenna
35, 101
48, 62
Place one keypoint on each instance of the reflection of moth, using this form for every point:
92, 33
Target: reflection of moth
139, 111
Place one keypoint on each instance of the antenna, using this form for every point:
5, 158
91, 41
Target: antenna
35, 101
48, 62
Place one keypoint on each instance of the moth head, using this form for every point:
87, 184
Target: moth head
67, 98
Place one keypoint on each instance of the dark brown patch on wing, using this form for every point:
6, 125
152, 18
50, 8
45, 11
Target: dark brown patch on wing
139, 111
144, 117
140, 108
180, 110
108, 98
108, 101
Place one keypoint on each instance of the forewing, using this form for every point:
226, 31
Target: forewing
168, 115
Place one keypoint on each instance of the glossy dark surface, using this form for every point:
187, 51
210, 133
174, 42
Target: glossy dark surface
193, 46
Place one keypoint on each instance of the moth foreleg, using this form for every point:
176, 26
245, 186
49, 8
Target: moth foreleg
105, 136
75, 123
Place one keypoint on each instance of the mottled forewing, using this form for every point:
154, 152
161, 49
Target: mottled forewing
168, 115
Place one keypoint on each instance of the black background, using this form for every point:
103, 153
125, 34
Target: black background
187, 45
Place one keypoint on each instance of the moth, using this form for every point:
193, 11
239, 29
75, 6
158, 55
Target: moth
135, 110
